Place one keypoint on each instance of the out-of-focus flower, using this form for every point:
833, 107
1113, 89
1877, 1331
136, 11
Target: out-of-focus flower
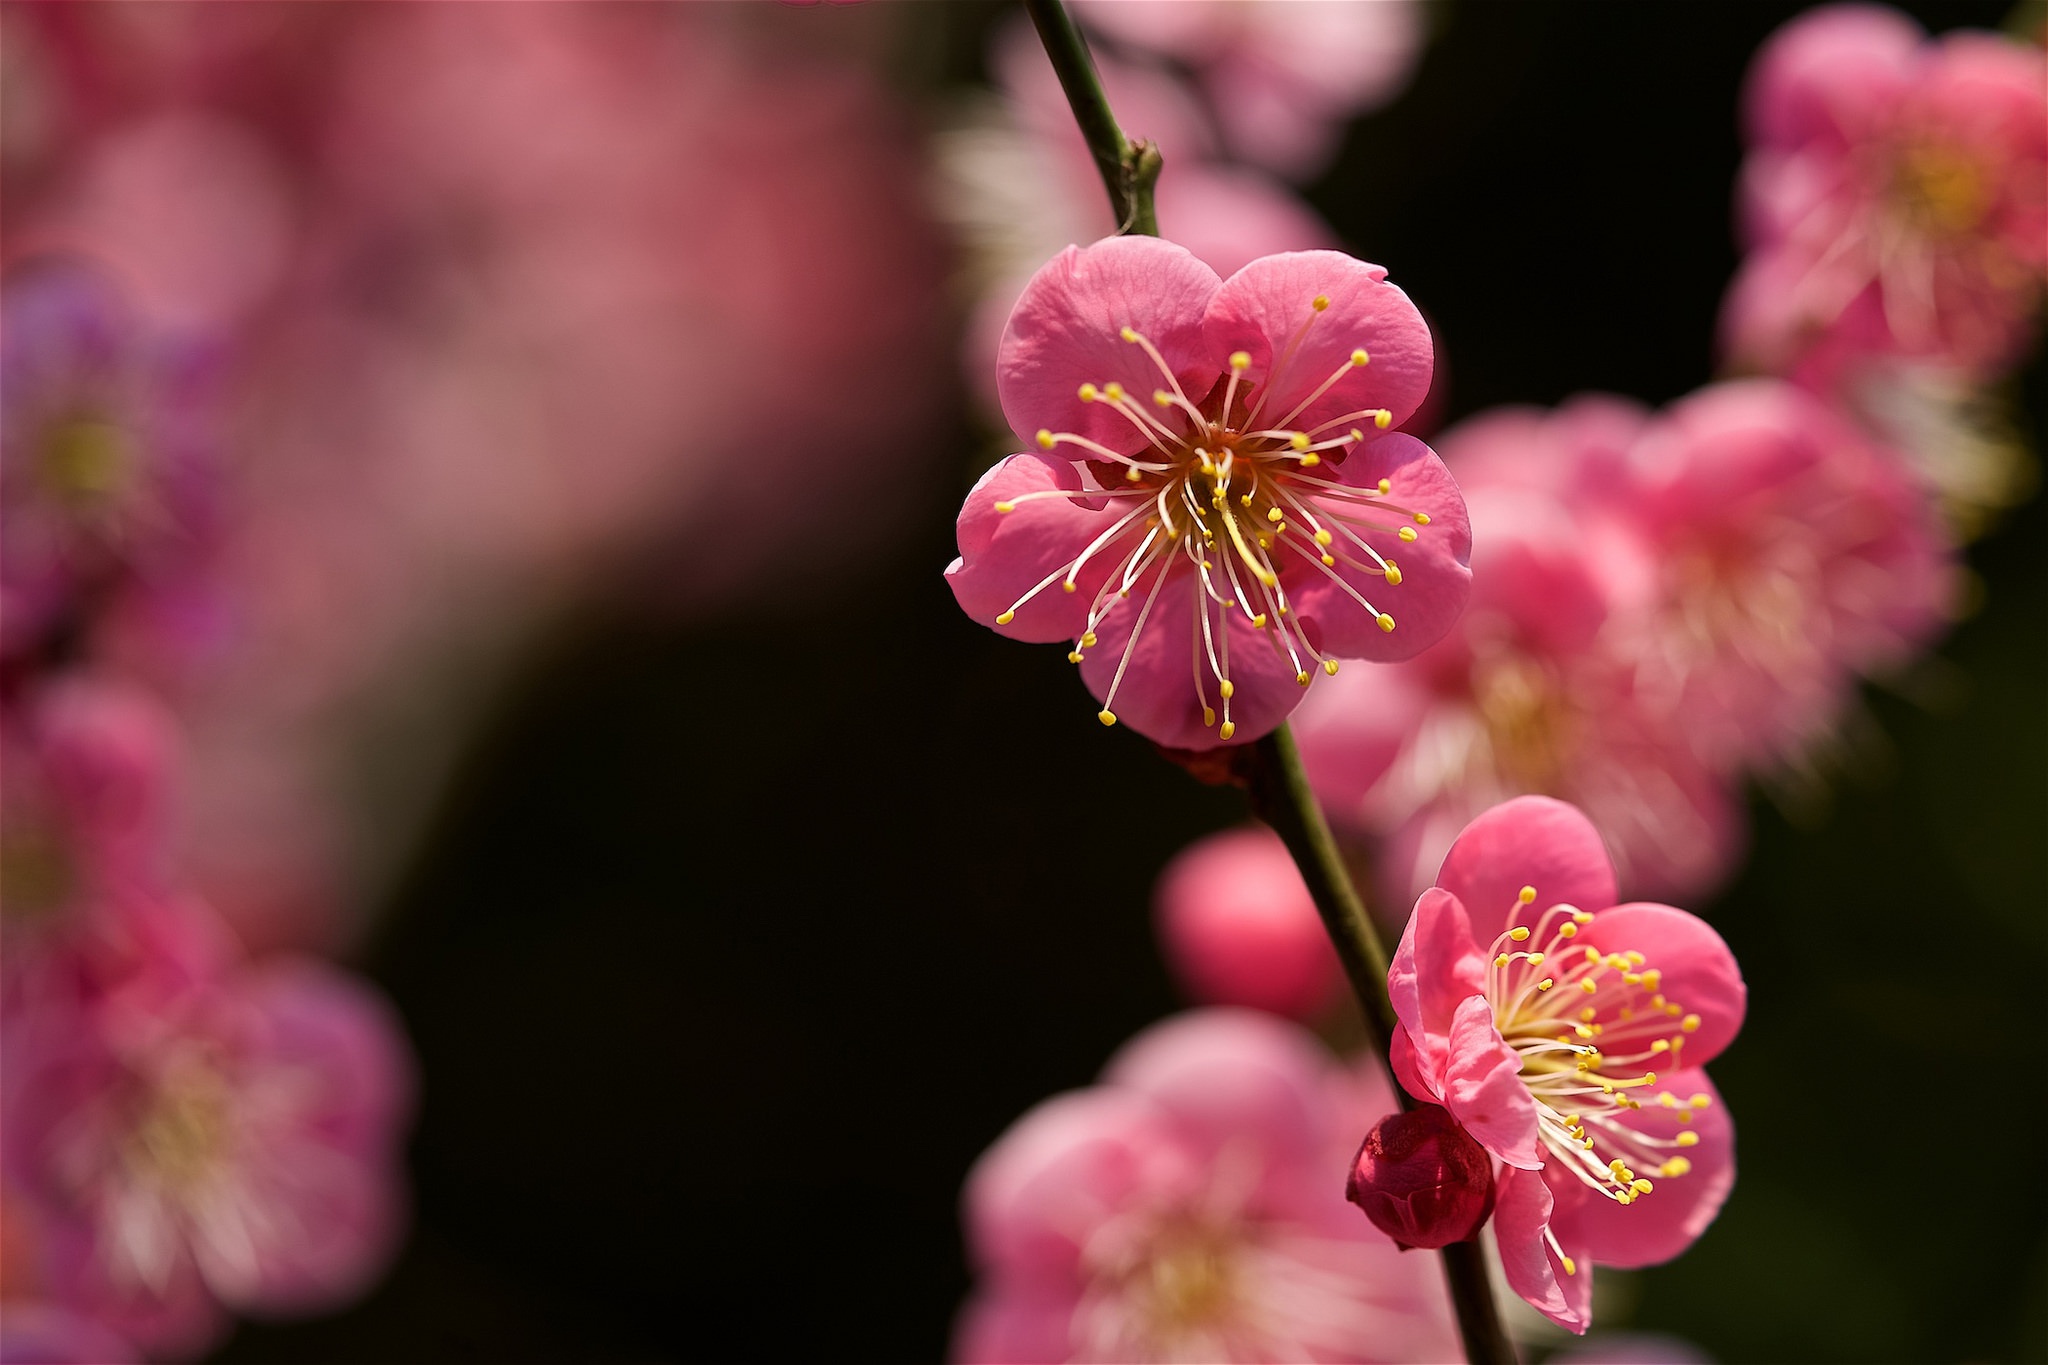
1221, 488
1896, 199
38, 1334
107, 478
1568, 1041
1527, 694
1421, 1179
1189, 1208
1789, 557
1018, 183
1239, 927
227, 1143
1281, 76
1957, 436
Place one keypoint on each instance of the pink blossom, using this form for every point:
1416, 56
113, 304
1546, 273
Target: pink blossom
226, 1143
1896, 198
1790, 557
1281, 77
1239, 928
1190, 1207
1530, 692
1421, 1179
1567, 1035
1236, 533
37, 1334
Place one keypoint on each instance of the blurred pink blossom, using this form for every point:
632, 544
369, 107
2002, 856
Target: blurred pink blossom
1566, 1034
37, 1334
1282, 76
1191, 1207
1230, 504
1239, 928
1896, 197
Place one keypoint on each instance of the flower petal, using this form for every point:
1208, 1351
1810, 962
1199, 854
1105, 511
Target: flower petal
1671, 1217
1521, 1213
1004, 555
1529, 841
1435, 570
1483, 1087
1698, 973
1436, 968
1261, 309
1227, 1075
1157, 697
1066, 331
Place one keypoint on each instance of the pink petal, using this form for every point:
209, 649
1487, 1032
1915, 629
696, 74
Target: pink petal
1521, 1213
1016, 1325
1436, 573
1436, 967
1004, 555
1225, 1075
1670, 1218
1233, 216
1830, 74
1483, 1087
1239, 927
1156, 696
1264, 306
1066, 332
1699, 973
1529, 841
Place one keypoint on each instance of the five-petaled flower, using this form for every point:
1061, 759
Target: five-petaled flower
1218, 509
1566, 1034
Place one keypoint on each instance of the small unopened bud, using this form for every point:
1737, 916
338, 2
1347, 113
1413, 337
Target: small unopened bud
1422, 1180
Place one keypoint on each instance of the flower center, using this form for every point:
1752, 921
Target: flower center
1236, 496
1587, 1024
1941, 189
85, 459
37, 874
183, 1129
1528, 726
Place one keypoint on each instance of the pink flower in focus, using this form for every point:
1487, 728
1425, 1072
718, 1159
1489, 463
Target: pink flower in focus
1529, 694
1239, 928
1190, 1207
1281, 76
1566, 1034
225, 1144
1897, 195
1207, 517
1790, 556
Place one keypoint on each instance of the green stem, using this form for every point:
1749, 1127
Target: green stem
1279, 787
1130, 170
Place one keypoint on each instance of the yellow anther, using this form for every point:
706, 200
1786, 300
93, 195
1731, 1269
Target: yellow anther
1073, 656
1386, 622
1691, 1023
1688, 1138
1535, 959
1088, 640
1323, 537
1128, 335
1006, 507
1357, 435
1302, 677
1571, 1267
1422, 518
1632, 978
1641, 1186
1616, 961
1592, 954
1661, 1045
1383, 419
1330, 667
1582, 917
1045, 440
1584, 1032
1527, 895
1586, 1014
1310, 460
1501, 961
1545, 984
1635, 959
1359, 357
1240, 361
1162, 398
1393, 574
1386, 486
1227, 729
1208, 715
1407, 533
1520, 933
1006, 618
1329, 560
1107, 717
1228, 688
1653, 978
1700, 1101
1134, 474
1259, 621
1113, 391
1274, 514
1568, 930
1088, 393
1676, 1166
1673, 1010
1320, 302
1649, 1078
1069, 585
1590, 987
1299, 440
1618, 1168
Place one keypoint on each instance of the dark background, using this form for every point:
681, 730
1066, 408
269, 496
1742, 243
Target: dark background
737, 941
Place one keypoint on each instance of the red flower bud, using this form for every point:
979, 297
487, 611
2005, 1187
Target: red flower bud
1422, 1180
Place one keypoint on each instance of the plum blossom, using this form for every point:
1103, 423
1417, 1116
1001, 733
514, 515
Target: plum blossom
1280, 76
1566, 1034
1896, 197
1217, 504
1421, 1179
1239, 927
221, 1143
1190, 1207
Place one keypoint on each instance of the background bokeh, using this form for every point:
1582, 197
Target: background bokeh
739, 933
